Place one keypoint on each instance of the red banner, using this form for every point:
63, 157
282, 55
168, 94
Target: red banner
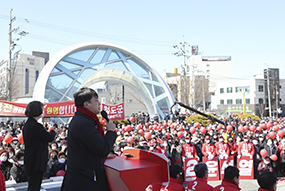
115, 112
189, 169
245, 166
56, 109
224, 163
213, 168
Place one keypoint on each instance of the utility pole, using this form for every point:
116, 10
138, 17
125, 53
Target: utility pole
181, 51
269, 98
276, 100
11, 47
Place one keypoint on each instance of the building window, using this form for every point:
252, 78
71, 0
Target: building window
222, 102
238, 101
247, 101
208, 76
230, 90
208, 71
208, 65
37, 74
221, 90
229, 101
260, 88
103, 100
260, 101
27, 81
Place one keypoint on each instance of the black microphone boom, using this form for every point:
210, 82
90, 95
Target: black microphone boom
105, 115
196, 111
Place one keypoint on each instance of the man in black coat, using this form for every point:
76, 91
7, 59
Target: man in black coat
88, 146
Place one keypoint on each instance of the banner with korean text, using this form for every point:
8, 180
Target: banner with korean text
224, 163
115, 112
55, 109
245, 166
189, 173
213, 168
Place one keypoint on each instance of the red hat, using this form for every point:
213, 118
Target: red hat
187, 137
220, 136
245, 137
207, 137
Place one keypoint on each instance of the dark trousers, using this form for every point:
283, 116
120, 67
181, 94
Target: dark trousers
35, 180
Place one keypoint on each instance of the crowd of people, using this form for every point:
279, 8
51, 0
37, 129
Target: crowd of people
172, 136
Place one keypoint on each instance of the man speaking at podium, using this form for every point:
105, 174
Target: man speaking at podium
88, 146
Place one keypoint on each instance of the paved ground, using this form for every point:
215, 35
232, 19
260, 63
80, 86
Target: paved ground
54, 184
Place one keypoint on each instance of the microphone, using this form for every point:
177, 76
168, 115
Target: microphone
105, 115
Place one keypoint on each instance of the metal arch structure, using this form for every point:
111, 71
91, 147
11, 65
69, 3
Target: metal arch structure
88, 63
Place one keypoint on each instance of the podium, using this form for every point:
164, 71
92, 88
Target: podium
137, 171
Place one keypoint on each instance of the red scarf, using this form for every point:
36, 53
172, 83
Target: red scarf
92, 116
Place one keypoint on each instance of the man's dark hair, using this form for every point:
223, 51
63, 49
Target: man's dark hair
231, 172
174, 169
200, 169
82, 95
266, 180
34, 109
19, 154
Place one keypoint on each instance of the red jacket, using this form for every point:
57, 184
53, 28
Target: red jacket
228, 185
233, 148
200, 184
208, 148
222, 147
245, 148
158, 149
261, 189
2, 182
188, 150
174, 185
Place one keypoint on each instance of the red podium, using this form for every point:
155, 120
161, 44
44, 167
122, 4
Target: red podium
136, 172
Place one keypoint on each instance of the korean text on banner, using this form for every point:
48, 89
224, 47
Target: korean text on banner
245, 166
115, 112
213, 168
224, 163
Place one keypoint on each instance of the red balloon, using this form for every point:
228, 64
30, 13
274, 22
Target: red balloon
280, 133
165, 124
138, 127
241, 129
130, 140
241, 113
60, 173
273, 157
175, 124
219, 127
209, 128
192, 130
51, 128
275, 123
259, 129
147, 135
245, 128
203, 130
168, 135
229, 128
155, 123
128, 128
252, 128
147, 124
172, 126
233, 123
272, 135
155, 127
180, 134
132, 119
180, 128
263, 126
141, 131
8, 138
276, 128
263, 153
208, 121
197, 125
269, 125
20, 138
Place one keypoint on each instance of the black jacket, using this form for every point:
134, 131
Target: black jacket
18, 173
87, 150
36, 140
5, 168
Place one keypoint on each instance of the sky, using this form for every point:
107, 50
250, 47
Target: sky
252, 32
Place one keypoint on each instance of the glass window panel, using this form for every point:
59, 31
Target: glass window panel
229, 101
139, 69
221, 90
98, 56
113, 56
73, 89
247, 101
51, 95
87, 72
158, 90
149, 87
54, 70
82, 55
65, 99
118, 64
222, 102
229, 90
154, 77
125, 55
60, 82
163, 104
68, 65
238, 101
76, 72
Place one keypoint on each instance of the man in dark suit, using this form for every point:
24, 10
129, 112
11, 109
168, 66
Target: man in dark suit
88, 146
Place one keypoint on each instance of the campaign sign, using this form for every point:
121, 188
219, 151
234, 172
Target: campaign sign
224, 163
245, 166
189, 169
213, 168
115, 112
